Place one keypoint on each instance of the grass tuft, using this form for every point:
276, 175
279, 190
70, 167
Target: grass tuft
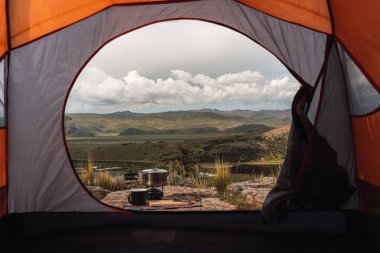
199, 181
105, 180
88, 177
222, 177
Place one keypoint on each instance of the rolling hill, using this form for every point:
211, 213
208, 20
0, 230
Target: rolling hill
173, 122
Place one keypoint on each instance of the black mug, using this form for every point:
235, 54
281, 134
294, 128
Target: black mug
138, 197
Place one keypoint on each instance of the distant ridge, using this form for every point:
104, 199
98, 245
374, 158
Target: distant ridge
197, 130
237, 112
251, 114
124, 113
201, 121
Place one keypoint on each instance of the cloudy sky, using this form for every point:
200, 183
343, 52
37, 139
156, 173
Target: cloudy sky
182, 65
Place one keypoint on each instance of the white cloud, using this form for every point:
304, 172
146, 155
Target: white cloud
98, 92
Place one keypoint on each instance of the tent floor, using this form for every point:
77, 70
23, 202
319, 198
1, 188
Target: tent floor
129, 237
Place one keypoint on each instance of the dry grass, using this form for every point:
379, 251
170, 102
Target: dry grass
102, 179
239, 201
275, 173
177, 173
198, 181
222, 177
105, 180
88, 177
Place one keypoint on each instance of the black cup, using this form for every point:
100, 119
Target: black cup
138, 197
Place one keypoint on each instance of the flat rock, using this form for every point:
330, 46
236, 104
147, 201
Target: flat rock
97, 191
254, 192
206, 196
117, 198
188, 193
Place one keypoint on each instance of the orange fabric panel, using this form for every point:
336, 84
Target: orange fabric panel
367, 147
310, 13
3, 29
357, 25
31, 19
3, 161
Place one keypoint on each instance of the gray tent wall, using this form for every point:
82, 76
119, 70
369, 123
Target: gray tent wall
41, 177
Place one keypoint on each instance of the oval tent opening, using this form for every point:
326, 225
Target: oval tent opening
191, 124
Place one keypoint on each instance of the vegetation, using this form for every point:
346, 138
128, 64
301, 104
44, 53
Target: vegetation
222, 177
88, 177
101, 179
275, 173
238, 200
110, 150
199, 180
106, 181
177, 173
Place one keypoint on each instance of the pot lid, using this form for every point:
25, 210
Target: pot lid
154, 171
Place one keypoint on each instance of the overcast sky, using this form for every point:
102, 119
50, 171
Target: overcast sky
182, 65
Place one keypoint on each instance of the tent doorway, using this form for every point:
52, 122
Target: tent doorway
216, 118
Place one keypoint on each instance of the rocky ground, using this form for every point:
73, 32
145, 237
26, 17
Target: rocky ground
251, 192
254, 193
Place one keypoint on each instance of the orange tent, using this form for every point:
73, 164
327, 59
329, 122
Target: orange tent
332, 47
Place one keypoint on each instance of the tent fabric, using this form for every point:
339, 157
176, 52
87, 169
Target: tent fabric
367, 146
53, 40
3, 29
2, 93
297, 38
356, 24
312, 113
276, 203
3, 201
330, 170
3, 158
42, 73
313, 14
326, 178
369, 198
299, 48
33, 19
333, 121
363, 97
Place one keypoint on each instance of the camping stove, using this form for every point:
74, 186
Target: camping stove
155, 178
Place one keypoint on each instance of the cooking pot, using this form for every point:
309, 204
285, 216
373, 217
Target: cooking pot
155, 177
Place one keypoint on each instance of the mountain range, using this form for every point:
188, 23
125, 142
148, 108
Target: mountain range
202, 121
